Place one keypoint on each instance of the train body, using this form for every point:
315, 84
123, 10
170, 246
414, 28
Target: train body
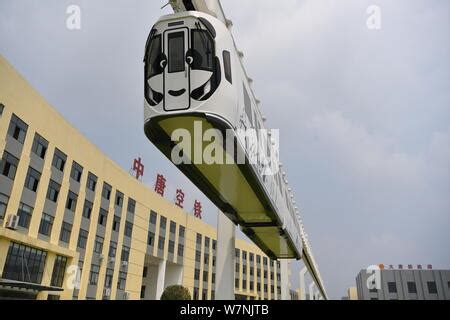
194, 75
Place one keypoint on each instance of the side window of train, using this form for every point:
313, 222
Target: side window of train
227, 66
153, 57
202, 51
247, 104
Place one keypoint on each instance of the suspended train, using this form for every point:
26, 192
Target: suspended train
193, 73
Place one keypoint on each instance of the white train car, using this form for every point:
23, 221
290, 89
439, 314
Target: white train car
194, 75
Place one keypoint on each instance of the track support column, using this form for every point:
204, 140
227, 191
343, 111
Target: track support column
226, 235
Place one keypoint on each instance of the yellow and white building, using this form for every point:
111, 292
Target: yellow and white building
68, 213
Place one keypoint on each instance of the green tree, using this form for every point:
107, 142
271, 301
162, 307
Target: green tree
176, 292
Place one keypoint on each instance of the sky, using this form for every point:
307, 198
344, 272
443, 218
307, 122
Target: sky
363, 113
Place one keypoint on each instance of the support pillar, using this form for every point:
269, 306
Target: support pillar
311, 291
303, 284
160, 279
226, 234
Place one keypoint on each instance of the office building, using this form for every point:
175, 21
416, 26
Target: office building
75, 225
404, 284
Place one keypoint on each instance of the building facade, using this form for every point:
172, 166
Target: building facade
75, 225
403, 284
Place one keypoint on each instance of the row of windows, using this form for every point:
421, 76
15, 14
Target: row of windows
412, 288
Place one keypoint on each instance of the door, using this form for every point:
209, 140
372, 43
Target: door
177, 70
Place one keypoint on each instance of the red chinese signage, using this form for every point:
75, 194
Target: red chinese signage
179, 198
160, 184
138, 167
198, 209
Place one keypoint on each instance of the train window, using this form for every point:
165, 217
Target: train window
176, 51
247, 104
152, 63
203, 50
227, 65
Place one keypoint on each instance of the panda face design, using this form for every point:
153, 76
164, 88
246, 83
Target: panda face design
175, 75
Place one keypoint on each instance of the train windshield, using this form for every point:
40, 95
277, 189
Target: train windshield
203, 50
153, 57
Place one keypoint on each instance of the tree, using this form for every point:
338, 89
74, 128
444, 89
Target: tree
176, 292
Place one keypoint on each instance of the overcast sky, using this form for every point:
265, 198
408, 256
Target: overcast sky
363, 114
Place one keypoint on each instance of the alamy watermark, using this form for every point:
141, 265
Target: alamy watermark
260, 147
73, 21
373, 22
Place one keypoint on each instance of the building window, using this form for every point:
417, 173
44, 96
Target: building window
205, 276
116, 223
163, 223
244, 255
206, 258
181, 232
32, 179
3, 204
76, 172
106, 192
87, 209
59, 270
66, 230
24, 214
195, 294
227, 66
17, 129
180, 250
161, 243
102, 217
91, 182
131, 207
108, 278
392, 287
2, 107
82, 239
150, 238
214, 244
197, 274
53, 191
432, 289
71, 203
213, 278
122, 280
142, 292
237, 267
119, 199
173, 227
59, 160
20, 255
199, 238
153, 217
412, 287
144, 272
236, 283
98, 245
93, 276
125, 254
40, 146
171, 246
8, 165
112, 249
198, 256
45, 228
128, 229
237, 253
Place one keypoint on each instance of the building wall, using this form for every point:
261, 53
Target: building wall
23, 102
400, 284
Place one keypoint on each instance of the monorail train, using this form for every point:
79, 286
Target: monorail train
194, 73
